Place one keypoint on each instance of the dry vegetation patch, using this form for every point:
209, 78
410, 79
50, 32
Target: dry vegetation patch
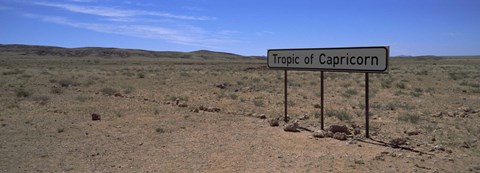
172, 115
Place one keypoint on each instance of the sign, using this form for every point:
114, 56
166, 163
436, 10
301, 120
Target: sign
349, 59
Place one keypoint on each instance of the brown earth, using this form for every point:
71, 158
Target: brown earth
46, 124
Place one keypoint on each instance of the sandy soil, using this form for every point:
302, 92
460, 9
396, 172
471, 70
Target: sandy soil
47, 127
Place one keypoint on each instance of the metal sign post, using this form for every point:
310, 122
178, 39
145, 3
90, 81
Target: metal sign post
321, 100
366, 106
341, 59
285, 118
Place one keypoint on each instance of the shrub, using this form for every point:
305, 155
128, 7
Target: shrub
360, 162
387, 83
82, 98
409, 118
401, 85
340, 114
21, 92
258, 102
233, 96
42, 100
349, 93
118, 114
108, 91
141, 75
67, 83
128, 90
13, 72
160, 130
56, 91
181, 98
416, 94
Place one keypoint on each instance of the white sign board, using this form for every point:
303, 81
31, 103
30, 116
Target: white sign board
351, 59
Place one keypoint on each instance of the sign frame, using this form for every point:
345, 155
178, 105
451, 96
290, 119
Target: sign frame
322, 70
385, 70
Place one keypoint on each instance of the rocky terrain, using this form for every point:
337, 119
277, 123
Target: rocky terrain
86, 111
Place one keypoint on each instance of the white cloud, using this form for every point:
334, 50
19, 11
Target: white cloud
114, 12
185, 35
262, 33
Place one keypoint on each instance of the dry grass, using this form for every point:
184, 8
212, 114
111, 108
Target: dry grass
57, 96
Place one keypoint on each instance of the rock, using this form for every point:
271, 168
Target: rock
177, 101
222, 85
183, 105
438, 148
304, 117
463, 114
274, 122
320, 134
96, 117
339, 128
465, 109
317, 106
291, 127
469, 144
118, 95
356, 131
329, 134
352, 141
196, 110
440, 114
412, 132
201, 108
397, 142
262, 116
340, 136
212, 109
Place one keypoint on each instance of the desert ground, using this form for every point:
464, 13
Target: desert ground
211, 115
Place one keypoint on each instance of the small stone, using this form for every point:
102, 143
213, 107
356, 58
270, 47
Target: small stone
438, 148
356, 131
397, 142
304, 117
340, 136
291, 127
177, 101
329, 134
183, 105
274, 122
212, 109
351, 141
117, 95
262, 116
465, 109
96, 117
196, 110
412, 132
339, 128
317, 106
320, 134
201, 108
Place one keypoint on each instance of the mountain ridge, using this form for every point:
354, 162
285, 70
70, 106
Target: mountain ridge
110, 52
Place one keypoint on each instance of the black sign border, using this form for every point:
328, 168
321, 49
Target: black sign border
387, 48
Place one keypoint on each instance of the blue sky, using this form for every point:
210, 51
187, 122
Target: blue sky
246, 27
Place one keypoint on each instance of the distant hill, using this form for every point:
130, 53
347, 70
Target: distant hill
33, 50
